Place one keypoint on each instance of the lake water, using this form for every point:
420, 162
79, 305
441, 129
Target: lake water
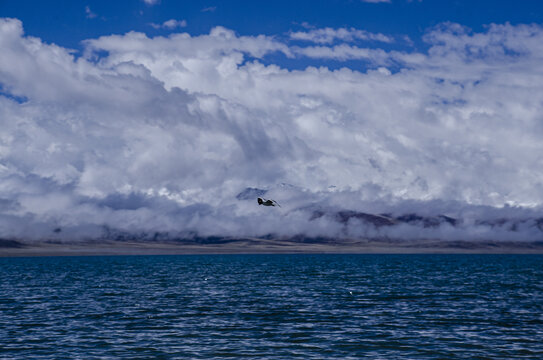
272, 307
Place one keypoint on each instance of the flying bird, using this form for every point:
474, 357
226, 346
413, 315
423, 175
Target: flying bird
267, 202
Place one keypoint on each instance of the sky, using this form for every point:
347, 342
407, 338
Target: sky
153, 116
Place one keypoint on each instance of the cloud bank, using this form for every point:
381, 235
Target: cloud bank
159, 136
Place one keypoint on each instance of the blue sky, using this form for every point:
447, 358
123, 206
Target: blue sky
153, 117
67, 23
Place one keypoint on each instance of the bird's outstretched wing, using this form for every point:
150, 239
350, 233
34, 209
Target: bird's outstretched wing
268, 202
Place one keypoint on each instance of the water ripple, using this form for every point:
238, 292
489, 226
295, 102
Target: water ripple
272, 306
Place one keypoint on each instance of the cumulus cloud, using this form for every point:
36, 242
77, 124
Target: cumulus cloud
170, 24
329, 35
159, 135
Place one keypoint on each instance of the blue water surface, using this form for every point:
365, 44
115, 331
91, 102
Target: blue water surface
272, 307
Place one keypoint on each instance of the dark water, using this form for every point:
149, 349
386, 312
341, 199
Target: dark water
272, 306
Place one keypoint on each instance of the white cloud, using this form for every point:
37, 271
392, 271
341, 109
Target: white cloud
160, 134
329, 35
170, 24
151, 2
377, 1
90, 14
343, 52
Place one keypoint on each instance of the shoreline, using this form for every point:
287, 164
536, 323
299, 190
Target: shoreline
12, 248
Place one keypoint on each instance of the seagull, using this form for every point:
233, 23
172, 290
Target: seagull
267, 202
